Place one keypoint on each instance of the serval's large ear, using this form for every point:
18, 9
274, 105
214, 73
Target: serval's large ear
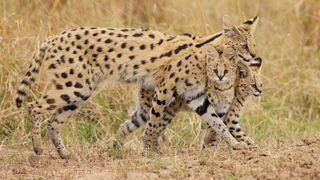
250, 24
229, 29
211, 53
230, 54
243, 69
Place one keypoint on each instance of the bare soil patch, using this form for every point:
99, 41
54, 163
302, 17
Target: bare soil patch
280, 160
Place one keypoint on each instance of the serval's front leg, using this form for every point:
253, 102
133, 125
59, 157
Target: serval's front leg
157, 124
211, 139
232, 120
200, 104
141, 116
137, 119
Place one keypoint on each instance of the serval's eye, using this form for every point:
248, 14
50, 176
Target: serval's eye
226, 71
215, 71
245, 46
242, 74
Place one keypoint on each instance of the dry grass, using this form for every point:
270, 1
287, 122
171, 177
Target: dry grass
288, 39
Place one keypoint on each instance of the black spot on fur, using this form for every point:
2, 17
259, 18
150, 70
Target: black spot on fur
180, 48
186, 34
142, 47
151, 46
175, 92
209, 40
167, 54
107, 41
51, 101
187, 83
71, 107
106, 57
160, 42
78, 37
123, 45
143, 61
64, 75
214, 115
143, 117
59, 86
52, 66
99, 49
69, 84
25, 82
78, 94
71, 60
65, 97
134, 120
157, 114
221, 114
137, 35
22, 93
136, 66
202, 109
152, 59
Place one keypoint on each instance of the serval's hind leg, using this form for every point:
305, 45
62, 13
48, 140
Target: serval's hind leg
35, 119
55, 125
35, 110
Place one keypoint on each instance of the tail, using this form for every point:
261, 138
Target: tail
30, 76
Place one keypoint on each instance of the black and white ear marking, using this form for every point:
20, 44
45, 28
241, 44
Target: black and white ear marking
251, 21
251, 24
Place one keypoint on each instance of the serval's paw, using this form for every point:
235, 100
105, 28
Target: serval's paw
250, 142
239, 146
150, 147
64, 154
117, 144
38, 150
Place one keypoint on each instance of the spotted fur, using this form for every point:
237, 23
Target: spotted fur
140, 116
78, 61
228, 105
248, 83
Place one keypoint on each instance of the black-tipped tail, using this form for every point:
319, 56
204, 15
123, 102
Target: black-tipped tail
30, 76
18, 102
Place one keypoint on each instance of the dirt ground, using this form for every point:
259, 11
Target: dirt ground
278, 160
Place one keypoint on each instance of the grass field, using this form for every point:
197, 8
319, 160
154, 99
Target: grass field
288, 40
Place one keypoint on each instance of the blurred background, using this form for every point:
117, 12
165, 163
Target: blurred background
287, 36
